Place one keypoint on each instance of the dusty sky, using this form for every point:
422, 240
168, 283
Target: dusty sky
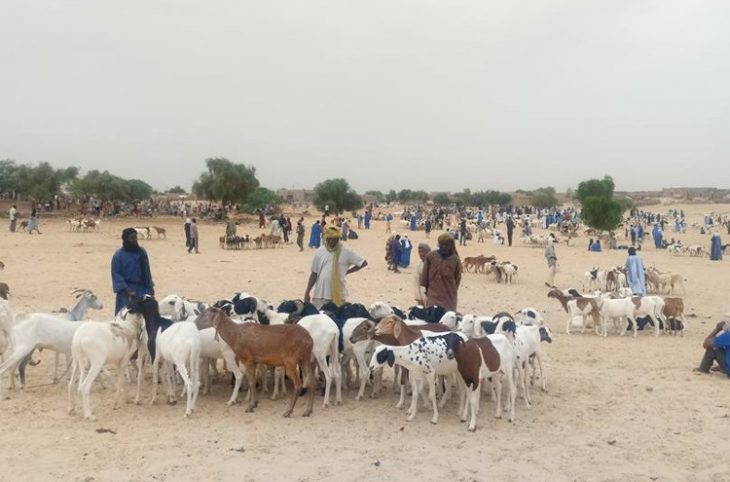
435, 95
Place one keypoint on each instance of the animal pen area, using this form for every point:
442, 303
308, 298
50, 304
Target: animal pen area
617, 408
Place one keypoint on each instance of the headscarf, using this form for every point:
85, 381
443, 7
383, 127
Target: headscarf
424, 246
333, 232
144, 260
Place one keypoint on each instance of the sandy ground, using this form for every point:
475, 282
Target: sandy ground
617, 409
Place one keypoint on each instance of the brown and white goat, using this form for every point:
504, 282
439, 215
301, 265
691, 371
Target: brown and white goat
578, 308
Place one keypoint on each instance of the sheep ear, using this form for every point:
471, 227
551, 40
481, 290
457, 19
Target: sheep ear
391, 358
397, 329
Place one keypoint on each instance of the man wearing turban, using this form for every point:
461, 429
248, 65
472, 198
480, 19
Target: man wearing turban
131, 274
331, 263
441, 275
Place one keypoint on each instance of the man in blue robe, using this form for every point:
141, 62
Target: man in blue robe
315, 235
658, 235
635, 273
367, 219
413, 222
716, 247
131, 276
405, 251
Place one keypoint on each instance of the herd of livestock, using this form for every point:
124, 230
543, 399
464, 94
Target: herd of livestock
431, 350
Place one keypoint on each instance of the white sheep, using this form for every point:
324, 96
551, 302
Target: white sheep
96, 344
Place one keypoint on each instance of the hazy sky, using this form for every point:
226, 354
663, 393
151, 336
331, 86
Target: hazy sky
435, 95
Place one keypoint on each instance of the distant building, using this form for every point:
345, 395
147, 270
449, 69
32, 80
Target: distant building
301, 196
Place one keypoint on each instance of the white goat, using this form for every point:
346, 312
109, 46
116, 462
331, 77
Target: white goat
178, 346
324, 333
96, 344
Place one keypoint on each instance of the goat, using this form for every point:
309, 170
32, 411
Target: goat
86, 300
595, 279
94, 345
289, 346
578, 307
161, 232
660, 280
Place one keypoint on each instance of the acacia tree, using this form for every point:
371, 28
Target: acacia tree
600, 210
337, 194
108, 187
35, 182
226, 181
442, 199
543, 197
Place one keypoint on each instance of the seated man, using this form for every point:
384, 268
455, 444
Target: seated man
717, 348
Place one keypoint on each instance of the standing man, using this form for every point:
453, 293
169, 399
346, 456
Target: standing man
420, 291
510, 229
462, 232
441, 275
427, 226
716, 247
300, 234
331, 263
552, 259
131, 274
635, 273
33, 221
193, 236
187, 234
13, 218
395, 251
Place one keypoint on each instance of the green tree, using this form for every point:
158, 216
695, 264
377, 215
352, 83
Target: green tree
602, 213
491, 197
405, 195
392, 196
226, 181
138, 190
378, 195
420, 196
337, 194
261, 198
543, 197
176, 190
602, 188
442, 199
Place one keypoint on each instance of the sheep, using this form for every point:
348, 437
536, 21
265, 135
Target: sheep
275, 345
179, 345
96, 344
424, 358
660, 280
529, 316
405, 335
527, 339
595, 279
674, 311
324, 333
6, 328
161, 232
578, 307
44, 330
479, 359
521, 352
477, 326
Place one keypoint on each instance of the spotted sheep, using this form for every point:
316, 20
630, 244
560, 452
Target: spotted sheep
425, 358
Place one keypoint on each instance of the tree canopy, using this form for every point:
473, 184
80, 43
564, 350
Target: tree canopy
543, 197
595, 188
262, 198
108, 187
337, 194
226, 181
40, 182
600, 210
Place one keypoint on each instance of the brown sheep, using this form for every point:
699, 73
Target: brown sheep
289, 346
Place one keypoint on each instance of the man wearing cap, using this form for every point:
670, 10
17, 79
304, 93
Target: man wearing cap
717, 348
331, 263
441, 275
131, 274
